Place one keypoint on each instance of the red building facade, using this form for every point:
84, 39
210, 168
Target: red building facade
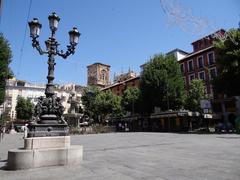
119, 87
200, 64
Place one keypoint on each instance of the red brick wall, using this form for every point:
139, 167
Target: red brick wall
119, 88
196, 69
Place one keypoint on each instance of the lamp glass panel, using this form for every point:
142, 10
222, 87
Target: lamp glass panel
37, 31
53, 23
75, 39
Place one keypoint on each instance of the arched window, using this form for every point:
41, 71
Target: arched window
103, 75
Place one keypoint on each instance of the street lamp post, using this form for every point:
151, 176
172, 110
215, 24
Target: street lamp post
49, 110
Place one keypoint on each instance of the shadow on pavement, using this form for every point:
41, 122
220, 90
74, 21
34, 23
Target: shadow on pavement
3, 164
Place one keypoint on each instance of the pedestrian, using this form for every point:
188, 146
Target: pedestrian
3, 131
25, 130
1, 134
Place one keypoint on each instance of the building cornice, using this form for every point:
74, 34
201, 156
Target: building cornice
196, 53
98, 63
118, 83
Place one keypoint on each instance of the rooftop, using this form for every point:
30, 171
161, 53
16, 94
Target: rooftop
98, 63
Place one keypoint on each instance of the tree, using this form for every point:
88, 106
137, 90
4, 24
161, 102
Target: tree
24, 108
195, 94
131, 100
88, 100
108, 103
5, 117
228, 62
161, 84
5, 60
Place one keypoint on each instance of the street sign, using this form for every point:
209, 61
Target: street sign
205, 104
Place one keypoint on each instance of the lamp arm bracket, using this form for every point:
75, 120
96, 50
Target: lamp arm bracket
70, 50
36, 44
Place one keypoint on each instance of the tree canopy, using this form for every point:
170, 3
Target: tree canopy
131, 100
5, 117
195, 94
161, 84
101, 104
108, 103
88, 100
228, 62
24, 108
5, 60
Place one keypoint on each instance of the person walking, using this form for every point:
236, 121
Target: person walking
2, 131
25, 130
1, 134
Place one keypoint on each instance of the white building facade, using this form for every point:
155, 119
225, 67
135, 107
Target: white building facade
16, 88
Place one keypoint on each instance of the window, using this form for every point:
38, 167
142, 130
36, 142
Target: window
211, 59
103, 75
201, 75
213, 73
184, 80
190, 65
200, 44
200, 62
191, 77
182, 68
195, 46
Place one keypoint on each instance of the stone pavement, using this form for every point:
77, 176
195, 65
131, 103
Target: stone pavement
128, 156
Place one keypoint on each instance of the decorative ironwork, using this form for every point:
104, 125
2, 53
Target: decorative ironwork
49, 110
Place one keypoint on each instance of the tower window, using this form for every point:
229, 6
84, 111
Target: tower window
103, 75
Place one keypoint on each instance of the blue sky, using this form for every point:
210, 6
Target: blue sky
121, 33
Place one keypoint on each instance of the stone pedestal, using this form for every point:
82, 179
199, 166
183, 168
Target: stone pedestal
43, 130
45, 151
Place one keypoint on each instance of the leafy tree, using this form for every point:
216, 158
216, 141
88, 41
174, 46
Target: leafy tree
88, 100
131, 100
195, 94
108, 103
24, 108
161, 84
5, 116
228, 61
5, 60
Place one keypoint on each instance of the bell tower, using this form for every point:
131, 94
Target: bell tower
98, 75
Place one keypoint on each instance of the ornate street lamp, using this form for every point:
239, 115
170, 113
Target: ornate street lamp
74, 36
53, 21
49, 110
35, 27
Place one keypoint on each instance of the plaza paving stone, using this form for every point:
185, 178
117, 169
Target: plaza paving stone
128, 156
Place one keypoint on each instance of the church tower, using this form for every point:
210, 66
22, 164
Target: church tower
98, 75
